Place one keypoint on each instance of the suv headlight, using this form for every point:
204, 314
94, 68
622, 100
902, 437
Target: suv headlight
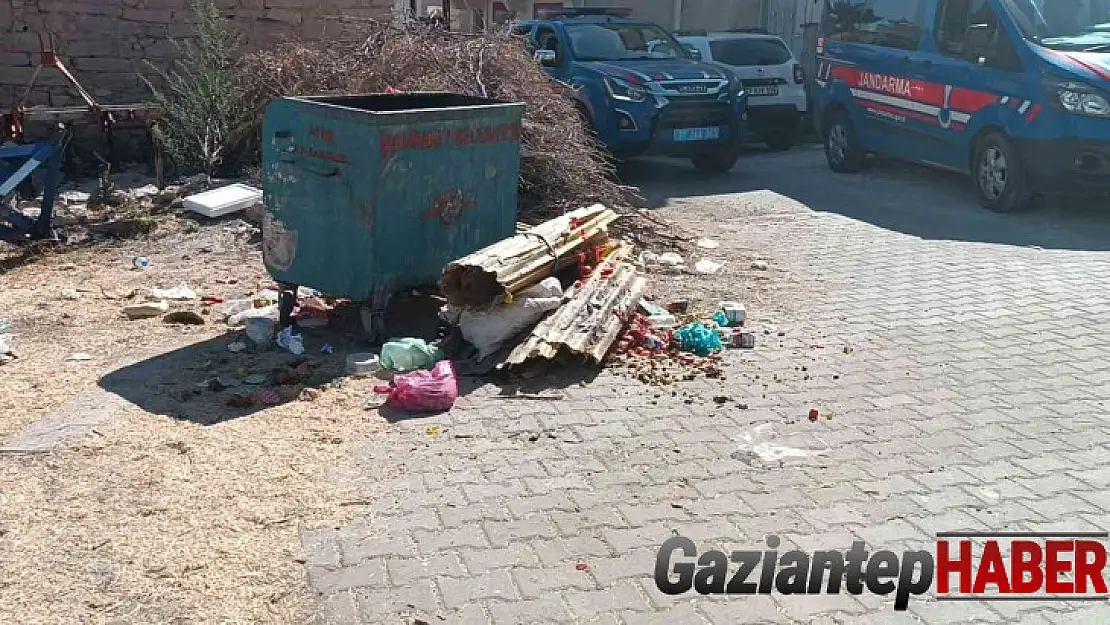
1076, 97
621, 90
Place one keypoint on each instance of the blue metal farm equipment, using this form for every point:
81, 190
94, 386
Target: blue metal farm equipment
368, 195
19, 159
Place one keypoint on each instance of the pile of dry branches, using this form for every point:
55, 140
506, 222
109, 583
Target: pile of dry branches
561, 165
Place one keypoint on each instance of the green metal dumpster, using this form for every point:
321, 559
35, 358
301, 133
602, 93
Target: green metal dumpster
367, 195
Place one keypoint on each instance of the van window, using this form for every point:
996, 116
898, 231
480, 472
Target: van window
751, 51
969, 30
887, 23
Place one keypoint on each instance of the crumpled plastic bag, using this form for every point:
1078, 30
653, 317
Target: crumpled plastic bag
487, 331
292, 343
403, 355
698, 339
763, 446
423, 391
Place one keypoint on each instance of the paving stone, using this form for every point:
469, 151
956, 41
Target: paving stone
974, 397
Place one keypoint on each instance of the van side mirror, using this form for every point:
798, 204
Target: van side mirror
694, 53
545, 57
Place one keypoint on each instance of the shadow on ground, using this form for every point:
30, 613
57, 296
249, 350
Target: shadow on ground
910, 199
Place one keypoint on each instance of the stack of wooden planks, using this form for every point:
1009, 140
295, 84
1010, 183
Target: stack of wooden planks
595, 310
494, 274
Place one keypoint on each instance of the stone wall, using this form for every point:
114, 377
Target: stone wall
105, 42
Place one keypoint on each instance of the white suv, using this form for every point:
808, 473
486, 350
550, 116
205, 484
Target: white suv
772, 77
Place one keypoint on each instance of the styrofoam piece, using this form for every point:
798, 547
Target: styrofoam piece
223, 201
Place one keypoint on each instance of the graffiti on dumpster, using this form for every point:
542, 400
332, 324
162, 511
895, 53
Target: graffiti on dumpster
279, 244
448, 207
435, 139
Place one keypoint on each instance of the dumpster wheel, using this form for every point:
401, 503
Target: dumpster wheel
373, 323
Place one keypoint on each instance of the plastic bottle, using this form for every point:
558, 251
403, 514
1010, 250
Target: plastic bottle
140, 262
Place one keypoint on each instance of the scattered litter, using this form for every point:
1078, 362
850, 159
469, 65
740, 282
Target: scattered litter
236, 347
80, 357
211, 300
814, 414
5, 325
223, 201
403, 355
267, 397
488, 330
849, 349
542, 396
423, 391
260, 330
292, 343
432, 430
721, 319
989, 493
140, 262
271, 313
743, 340
670, 259
146, 310
184, 317
763, 445
312, 319
697, 339
708, 244
735, 313
657, 316
236, 306
707, 267
760, 265
255, 379
647, 258
71, 294
265, 298
363, 364
179, 292
309, 394
327, 349
582, 566
678, 306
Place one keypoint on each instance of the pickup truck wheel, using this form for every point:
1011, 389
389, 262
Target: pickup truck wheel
999, 175
842, 146
717, 160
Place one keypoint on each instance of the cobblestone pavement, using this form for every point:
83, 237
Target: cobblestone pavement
972, 397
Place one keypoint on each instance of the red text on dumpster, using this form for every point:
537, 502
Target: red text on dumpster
326, 135
433, 139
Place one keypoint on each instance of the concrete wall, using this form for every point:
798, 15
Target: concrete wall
104, 42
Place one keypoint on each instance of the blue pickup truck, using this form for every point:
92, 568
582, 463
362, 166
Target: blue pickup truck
639, 89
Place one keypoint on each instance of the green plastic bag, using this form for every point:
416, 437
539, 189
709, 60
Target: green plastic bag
404, 355
698, 339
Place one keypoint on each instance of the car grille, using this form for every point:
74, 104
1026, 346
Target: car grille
762, 82
695, 113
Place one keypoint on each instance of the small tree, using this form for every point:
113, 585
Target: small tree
203, 114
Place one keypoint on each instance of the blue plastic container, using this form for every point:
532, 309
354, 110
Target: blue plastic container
371, 194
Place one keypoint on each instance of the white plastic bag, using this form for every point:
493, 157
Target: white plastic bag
488, 331
270, 312
763, 446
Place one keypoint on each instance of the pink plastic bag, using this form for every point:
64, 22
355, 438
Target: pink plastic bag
424, 391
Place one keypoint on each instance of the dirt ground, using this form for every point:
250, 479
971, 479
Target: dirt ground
182, 509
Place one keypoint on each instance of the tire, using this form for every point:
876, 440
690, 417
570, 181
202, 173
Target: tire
779, 141
718, 160
843, 150
998, 174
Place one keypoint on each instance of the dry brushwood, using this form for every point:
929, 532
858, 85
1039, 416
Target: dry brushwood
561, 165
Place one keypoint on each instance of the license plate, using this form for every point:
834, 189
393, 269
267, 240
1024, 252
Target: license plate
763, 90
697, 134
